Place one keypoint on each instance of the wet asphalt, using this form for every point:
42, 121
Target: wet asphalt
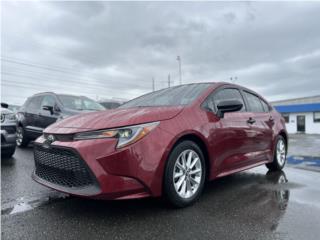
254, 204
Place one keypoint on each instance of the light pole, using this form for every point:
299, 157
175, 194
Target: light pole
179, 60
153, 85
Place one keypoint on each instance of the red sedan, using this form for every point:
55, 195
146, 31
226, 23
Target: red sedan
167, 142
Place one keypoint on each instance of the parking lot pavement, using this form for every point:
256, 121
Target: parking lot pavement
304, 151
304, 145
253, 204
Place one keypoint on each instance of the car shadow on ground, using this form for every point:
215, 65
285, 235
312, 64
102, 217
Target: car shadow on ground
245, 201
7, 162
225, 195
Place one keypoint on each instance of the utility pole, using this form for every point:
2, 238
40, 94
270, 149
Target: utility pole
169, 80
179, 60
153, 84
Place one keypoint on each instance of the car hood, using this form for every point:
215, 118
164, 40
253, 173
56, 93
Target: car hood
5, 111
112, 119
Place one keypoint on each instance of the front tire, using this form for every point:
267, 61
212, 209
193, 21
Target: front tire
21, 140
7, 153
279, 158
185, 174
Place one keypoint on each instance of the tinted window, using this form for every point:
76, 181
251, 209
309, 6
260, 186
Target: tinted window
227, 94
48, 101
79, 103
254, 103
34, 103
110, 105
265, 106
175, 96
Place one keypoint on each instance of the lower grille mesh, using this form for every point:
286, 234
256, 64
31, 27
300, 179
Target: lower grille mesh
62, 167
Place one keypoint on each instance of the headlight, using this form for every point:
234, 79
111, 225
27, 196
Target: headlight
11, 116
125, 135
8, 116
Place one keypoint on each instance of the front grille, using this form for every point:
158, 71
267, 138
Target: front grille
62, 167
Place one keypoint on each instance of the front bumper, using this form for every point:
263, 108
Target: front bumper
8, 136
132, 172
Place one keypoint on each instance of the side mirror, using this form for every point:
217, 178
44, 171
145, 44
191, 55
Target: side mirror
56, 108
228, 106
48, 108
4, 105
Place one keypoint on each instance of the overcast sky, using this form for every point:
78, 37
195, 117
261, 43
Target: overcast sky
105, 50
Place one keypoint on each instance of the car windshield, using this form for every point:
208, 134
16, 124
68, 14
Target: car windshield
175, 96
79, 103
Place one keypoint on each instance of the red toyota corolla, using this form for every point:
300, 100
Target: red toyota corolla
167, 142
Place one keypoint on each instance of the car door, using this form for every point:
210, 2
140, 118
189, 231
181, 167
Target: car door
47, 117
262, 123
32, 115
231, 136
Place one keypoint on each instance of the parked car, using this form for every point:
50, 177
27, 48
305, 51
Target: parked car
43, 109
166, 142
8, 131
111, 104
13, 108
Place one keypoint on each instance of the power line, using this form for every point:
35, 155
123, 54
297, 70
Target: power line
73, 81
71, 86
54, 69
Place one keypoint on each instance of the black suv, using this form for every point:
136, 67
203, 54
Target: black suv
43, 109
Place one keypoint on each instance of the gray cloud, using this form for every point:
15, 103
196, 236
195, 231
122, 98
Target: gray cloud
113, 49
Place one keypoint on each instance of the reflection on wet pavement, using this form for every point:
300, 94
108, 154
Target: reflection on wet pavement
254, 204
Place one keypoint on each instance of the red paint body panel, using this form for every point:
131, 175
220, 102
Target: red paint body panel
137, 170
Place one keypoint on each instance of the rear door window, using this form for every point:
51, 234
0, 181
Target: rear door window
265, 106
254, 103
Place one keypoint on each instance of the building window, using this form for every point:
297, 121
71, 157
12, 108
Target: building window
286, 117
316, 117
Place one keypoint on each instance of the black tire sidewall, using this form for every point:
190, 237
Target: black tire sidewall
169, 188
7, 153
274, 165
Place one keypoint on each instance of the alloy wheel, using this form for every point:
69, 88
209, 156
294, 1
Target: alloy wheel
281, 152
19, 136
187, 173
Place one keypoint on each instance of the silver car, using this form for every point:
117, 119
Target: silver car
8, 131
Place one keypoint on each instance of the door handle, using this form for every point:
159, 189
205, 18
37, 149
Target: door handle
271, 119
251, 120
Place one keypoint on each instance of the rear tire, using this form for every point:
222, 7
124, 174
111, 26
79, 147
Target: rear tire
185, 174
280, 154
7, 153
21, 140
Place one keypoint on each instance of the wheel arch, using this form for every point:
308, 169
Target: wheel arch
283, 134
198, 139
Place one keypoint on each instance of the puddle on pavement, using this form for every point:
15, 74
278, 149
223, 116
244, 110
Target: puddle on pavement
26, 204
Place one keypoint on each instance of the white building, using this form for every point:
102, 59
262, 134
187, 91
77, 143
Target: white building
302, 115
